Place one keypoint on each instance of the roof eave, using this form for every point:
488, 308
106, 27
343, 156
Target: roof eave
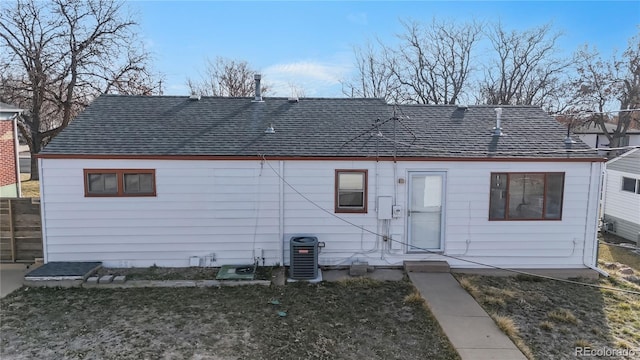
317, 158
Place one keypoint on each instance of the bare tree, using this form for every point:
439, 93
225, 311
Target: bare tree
433, 61
526, 70
374, 78
603, 84
59, 55
297, 90
225, 77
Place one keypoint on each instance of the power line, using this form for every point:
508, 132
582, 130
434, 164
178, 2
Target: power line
588, 112
437, 253
620, 246
527, 152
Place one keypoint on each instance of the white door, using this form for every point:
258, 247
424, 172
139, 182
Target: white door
425, 220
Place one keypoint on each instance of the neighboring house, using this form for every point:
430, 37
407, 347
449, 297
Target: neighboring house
137, 181
9, 167
621, 200
592, 135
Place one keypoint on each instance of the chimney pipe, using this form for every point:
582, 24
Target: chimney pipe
258, 97
498, 129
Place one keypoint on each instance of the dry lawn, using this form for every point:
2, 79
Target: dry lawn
553, 318
30, 188
349, 320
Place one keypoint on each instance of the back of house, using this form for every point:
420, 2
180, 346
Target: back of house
179, 181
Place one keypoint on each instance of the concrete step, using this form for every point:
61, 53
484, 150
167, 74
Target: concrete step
427, 266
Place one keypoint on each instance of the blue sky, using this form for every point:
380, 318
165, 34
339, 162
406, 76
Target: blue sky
308, 44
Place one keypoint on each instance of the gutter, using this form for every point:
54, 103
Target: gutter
43, 225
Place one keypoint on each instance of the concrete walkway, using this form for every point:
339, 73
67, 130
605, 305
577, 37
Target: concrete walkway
11, 277
469, 328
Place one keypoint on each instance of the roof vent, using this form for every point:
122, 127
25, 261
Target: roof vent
293, 99
270, 130
568, 140
194, 97
257, 78
463, 107
497, 131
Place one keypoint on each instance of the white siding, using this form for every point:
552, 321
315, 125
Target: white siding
618, 203
202, 208
228, 208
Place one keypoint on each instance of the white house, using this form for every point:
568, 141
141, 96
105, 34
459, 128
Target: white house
137, 181
621, 200
592, 135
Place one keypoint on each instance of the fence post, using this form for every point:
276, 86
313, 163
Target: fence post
12, 236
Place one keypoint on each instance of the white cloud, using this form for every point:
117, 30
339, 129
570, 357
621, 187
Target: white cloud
309, 78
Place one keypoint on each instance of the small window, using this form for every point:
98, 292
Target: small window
351, 191
115, 183
629, 184
526, 196
138, 183
102, 183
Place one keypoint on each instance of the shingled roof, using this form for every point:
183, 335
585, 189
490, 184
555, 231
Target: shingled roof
312, 127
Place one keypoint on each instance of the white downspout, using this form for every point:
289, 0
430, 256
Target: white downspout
593, 192
281, 211
17, 156
603, 202
43, 213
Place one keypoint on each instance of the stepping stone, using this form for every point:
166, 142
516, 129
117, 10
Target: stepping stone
92, 280
105, 279
119, 279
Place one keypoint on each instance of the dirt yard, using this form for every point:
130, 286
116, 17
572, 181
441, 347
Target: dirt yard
344, 320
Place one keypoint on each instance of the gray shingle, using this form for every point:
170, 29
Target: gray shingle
312, 127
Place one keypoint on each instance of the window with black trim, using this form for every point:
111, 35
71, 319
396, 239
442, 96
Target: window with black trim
119, 182
526, 196
351, 191
631, 185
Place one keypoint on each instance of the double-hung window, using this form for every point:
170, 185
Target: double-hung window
526, 196
119, 182
351, 191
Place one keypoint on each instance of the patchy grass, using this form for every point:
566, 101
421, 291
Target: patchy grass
30, 188
509, 327
562, 316
616, 254
506, 324
354, 320
547, 325
414, 298
582, 343
552, 318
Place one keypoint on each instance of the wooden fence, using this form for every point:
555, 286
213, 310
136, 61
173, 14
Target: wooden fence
20, 230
